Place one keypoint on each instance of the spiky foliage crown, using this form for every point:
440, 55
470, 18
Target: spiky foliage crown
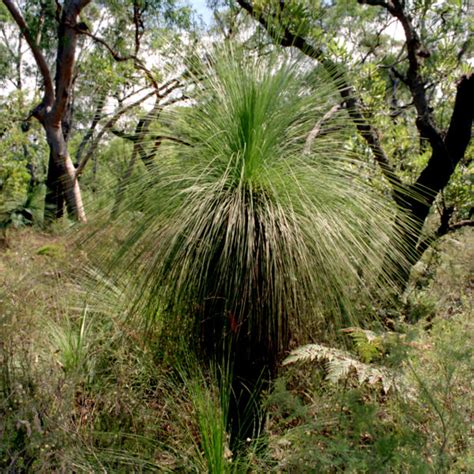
260, 216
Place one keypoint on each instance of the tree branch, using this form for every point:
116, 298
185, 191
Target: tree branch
413, 79
110, 123
286, 38
115, 55
37, 54
460, 224
139, 64
7, 42
138, 22
174, 101
317, 128
460, 127
435, 176
95, 120
160, 138
121, 134
169, 87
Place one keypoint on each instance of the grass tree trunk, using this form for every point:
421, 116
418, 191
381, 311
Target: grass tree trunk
242, 326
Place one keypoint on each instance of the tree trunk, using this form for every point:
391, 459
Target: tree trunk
55, 108
54, 200
62, 184
416, 201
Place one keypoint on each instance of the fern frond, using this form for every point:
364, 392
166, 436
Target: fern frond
368, 344
312, 352
341, 365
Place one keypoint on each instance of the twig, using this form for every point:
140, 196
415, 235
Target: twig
111, 122
317, 128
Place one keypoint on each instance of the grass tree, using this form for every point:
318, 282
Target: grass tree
259, 221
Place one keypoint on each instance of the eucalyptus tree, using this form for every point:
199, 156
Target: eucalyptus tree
261, 220
54, 106
129, 42
404, 73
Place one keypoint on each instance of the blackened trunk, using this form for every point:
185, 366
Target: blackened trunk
54, 199
244, 328
416, 202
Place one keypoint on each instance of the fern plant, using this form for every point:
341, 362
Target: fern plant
340, 365
258, 220
368, 344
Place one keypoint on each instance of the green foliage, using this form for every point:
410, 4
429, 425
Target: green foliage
355, 427
21, 153
72, 344
460, 191
14, 180
5, 64
352, 426
440, 374
4, 14
367, 343
41, 20
210, 399
51, 250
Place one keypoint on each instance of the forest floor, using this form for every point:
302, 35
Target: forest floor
82, 391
